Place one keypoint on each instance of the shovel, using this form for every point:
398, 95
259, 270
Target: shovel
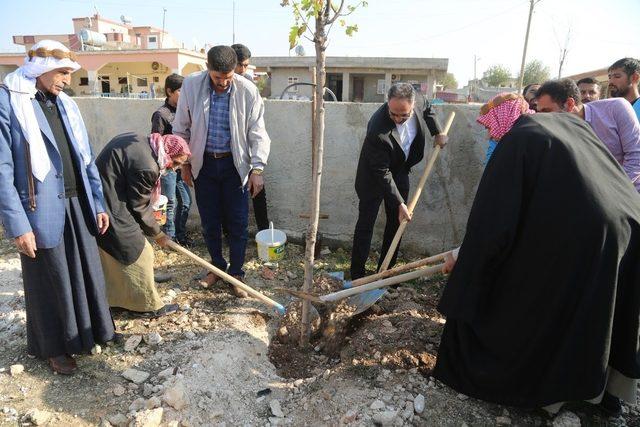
396, 270
365, 300
279, 308
369, 287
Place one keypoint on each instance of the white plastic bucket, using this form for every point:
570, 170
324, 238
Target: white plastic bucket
271, 243
160, 209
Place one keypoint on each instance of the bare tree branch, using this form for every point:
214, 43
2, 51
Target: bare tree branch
337, 13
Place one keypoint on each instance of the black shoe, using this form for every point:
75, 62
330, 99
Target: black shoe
185, 243
162, 277
611, 405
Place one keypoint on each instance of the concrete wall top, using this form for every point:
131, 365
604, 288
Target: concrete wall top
440, 217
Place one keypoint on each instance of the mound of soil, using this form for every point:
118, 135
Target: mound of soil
401, 331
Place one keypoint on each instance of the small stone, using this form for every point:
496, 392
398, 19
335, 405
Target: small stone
153, 403
96, 350
462, 396
37, 417
174, 396
291, 275
153, 338
137, 404
132, 342
118, 390
408, 410
118, 420
147, 391
503, 421
135, 376
16, 370
377, 405
418, 404
349, 417
276, 410
566, 419
166, 373
274, 421
325, 251
189, 335
148, 418
385, 418
267, 273
216, 413
298, 382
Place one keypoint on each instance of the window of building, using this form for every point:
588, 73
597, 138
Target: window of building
156, 79
122, 80
84, 81
153, 39
382, 87
142, 82
291, 80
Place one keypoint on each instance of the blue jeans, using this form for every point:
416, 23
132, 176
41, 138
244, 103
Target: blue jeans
222, 200
178, 206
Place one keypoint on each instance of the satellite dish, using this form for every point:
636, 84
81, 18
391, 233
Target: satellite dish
299, 50
125, 19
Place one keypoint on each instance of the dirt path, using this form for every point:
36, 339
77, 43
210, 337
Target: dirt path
215, 363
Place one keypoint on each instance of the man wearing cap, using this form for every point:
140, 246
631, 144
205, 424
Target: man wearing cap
51, 205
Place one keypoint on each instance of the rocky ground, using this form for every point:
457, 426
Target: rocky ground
218, 362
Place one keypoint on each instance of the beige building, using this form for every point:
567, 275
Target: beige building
351, 79
118, 59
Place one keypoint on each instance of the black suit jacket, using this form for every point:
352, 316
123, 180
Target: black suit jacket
382, 167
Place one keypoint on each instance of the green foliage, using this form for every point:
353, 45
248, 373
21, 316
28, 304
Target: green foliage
449, 82
306, 10
497, 75
535, 72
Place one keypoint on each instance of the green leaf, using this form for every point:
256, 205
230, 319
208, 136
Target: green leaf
294, 35
342, 22
351, 29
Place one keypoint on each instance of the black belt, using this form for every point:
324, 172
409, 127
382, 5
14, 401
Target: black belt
219, 155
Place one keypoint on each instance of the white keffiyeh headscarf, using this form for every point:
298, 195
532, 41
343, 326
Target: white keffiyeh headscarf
22, 85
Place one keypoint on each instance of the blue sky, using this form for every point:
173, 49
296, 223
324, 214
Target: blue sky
493, 30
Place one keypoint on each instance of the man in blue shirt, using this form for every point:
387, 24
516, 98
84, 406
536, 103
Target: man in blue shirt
624, 75
221, 115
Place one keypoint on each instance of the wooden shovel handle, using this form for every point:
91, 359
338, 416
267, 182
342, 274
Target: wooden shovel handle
427, 271
227, 277
416, 197
400, 269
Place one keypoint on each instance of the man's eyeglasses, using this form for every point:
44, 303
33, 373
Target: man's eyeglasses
400, 116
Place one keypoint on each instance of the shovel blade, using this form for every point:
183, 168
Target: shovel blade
363, 301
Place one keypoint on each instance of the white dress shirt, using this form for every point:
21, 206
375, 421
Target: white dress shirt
407, 131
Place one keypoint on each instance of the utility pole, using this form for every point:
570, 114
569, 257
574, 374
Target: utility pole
526, 41
475, 76
234, 22
164, 14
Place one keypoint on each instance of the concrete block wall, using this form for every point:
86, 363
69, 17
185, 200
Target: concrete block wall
440, 217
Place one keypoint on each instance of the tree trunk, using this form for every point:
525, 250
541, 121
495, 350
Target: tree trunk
318, 138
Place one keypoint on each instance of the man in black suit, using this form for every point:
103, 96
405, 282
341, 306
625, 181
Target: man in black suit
395, 142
